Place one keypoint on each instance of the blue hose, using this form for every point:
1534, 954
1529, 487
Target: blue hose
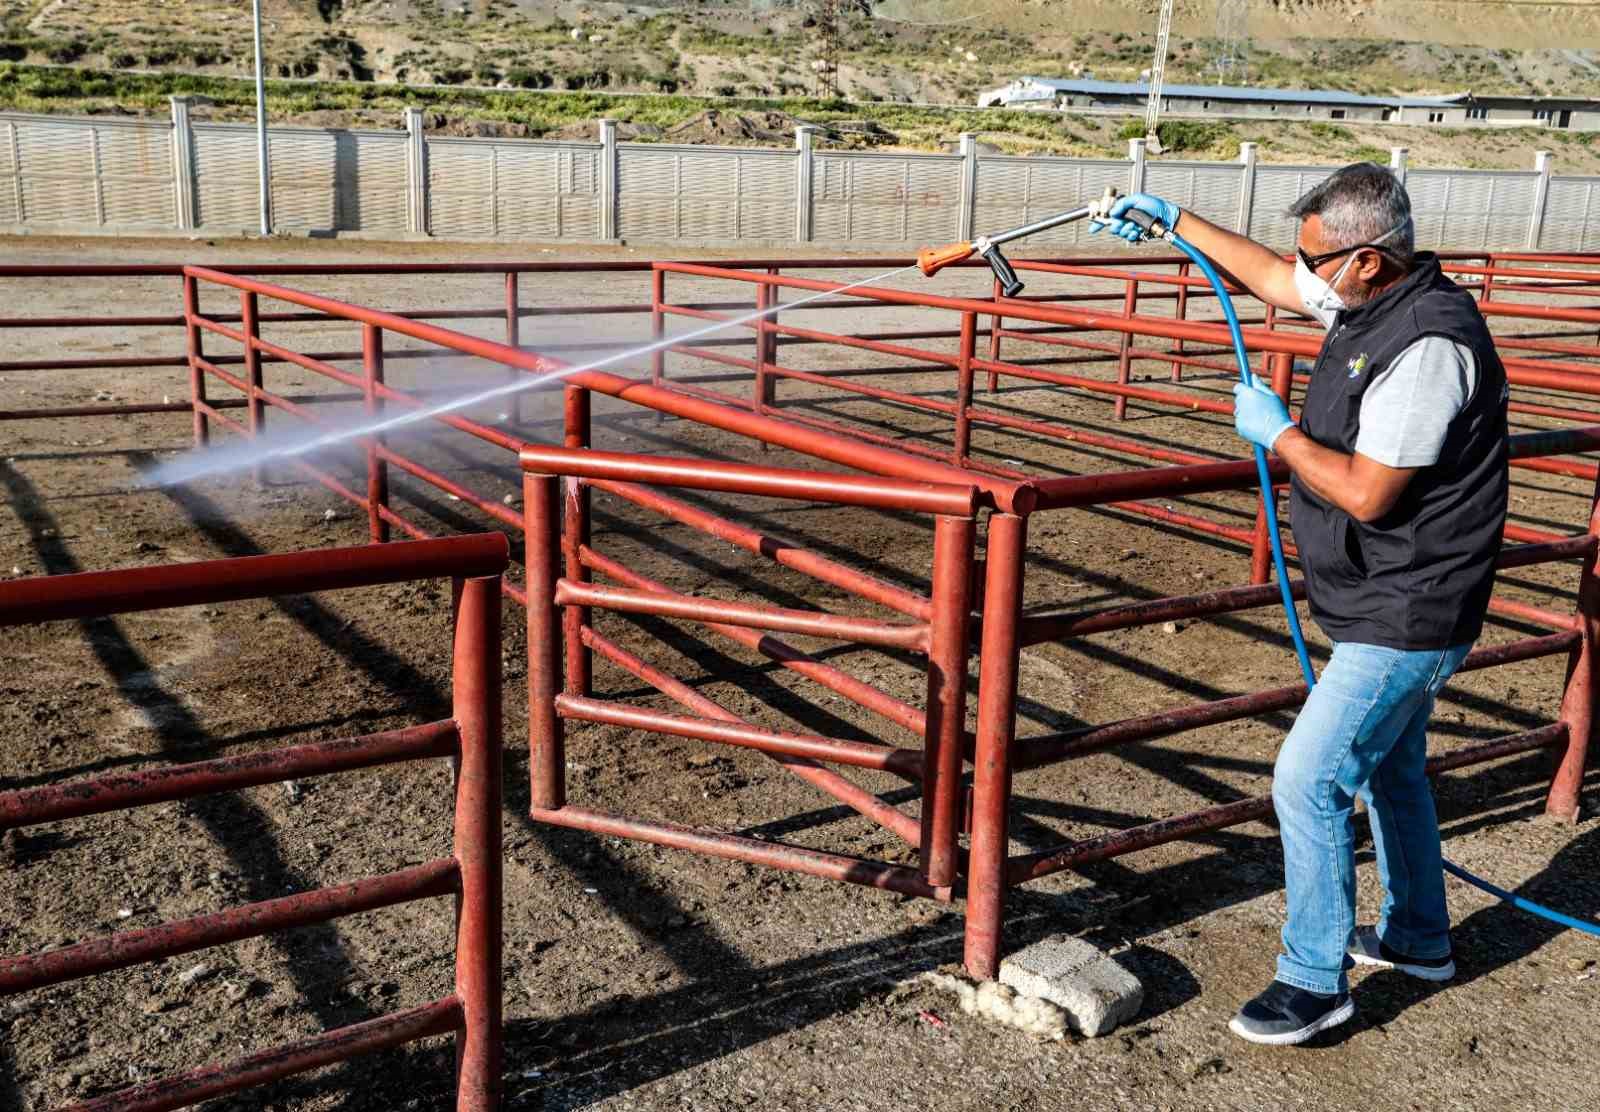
1269, 504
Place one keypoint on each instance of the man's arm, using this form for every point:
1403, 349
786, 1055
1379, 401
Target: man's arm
1259, 269
1357, 484
1361, 487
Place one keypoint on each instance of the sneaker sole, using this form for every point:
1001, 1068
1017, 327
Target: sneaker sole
1339, 1015
1421, 972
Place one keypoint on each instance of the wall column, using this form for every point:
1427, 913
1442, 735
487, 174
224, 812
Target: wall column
1397, 162
1541, 195
416, 173
803, 138
608, 179
969, 185
1247, 187
183, 193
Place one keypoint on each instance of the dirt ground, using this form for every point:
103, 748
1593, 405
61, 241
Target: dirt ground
641, 978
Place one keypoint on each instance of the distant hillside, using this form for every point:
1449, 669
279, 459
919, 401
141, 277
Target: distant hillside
907, 50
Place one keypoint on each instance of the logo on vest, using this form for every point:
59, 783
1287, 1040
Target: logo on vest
1357, 365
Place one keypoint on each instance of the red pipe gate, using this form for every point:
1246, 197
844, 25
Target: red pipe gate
470, 738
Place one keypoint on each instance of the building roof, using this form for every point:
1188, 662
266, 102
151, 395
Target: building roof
1238, 92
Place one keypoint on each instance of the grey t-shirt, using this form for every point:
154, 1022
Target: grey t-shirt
1408, 406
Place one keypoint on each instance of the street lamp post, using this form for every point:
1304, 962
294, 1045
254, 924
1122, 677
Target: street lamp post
261, 130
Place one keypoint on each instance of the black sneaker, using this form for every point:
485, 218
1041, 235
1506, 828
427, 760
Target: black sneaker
1368, 949
1284, 1015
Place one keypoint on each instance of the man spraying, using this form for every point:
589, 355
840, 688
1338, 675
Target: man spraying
1398, 502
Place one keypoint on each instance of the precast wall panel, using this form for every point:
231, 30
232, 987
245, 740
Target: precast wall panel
98, 173
486, 189
1571, 215
666, 193
1210, 190
1015, 191
304, 180
882, 198
1278, 187
1471, 210
227, 197
371, 176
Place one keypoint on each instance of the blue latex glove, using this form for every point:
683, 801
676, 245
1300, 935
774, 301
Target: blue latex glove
1164, 211
1259, 415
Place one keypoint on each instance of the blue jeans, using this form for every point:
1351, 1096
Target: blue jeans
1363, 730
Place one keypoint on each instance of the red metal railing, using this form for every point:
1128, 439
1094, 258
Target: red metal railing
985, 870
470, 738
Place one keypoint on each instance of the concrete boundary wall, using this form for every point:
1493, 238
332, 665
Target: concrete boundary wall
111, 175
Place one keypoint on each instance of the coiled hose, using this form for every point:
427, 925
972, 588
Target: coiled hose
1270, 507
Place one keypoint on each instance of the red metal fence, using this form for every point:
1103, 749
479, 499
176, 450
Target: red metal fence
470, 738
583, 581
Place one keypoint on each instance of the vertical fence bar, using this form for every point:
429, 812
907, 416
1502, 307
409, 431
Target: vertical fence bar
574, 535
478, 775
377, 468
546, 742
947, 697
1181, 313
658, 357
769, 348
196, 344
996, 324
250, 325
1281, 368
963, 436
255, 408
997, 712
1130, 302
513, 339
1578, 697
758, 398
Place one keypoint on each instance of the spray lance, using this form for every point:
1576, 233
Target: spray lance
933, 259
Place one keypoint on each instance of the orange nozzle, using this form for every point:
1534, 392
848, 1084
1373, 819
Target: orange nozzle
934, 259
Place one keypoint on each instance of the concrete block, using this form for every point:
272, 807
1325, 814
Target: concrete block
1096, 993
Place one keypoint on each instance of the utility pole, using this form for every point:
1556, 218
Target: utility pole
1233, 37
1158, 72
261, 130
827, 63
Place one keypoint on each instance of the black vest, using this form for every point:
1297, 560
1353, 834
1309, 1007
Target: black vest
1420, 576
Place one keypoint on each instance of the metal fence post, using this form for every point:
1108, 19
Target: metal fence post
969, 185
183, 194
1541, 195
1579, 697
1136, 154
608, 179
1247, 187
1397, 162
547, 761
942, 748
377, 467
416, 173
197, 374
802, 182
479, 790
1006, 553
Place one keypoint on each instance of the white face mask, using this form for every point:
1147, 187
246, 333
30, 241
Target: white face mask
1319, 296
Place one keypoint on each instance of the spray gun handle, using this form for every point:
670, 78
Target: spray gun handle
1148, 224
1010, 284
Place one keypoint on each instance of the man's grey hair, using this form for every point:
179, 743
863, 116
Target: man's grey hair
1358, 204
